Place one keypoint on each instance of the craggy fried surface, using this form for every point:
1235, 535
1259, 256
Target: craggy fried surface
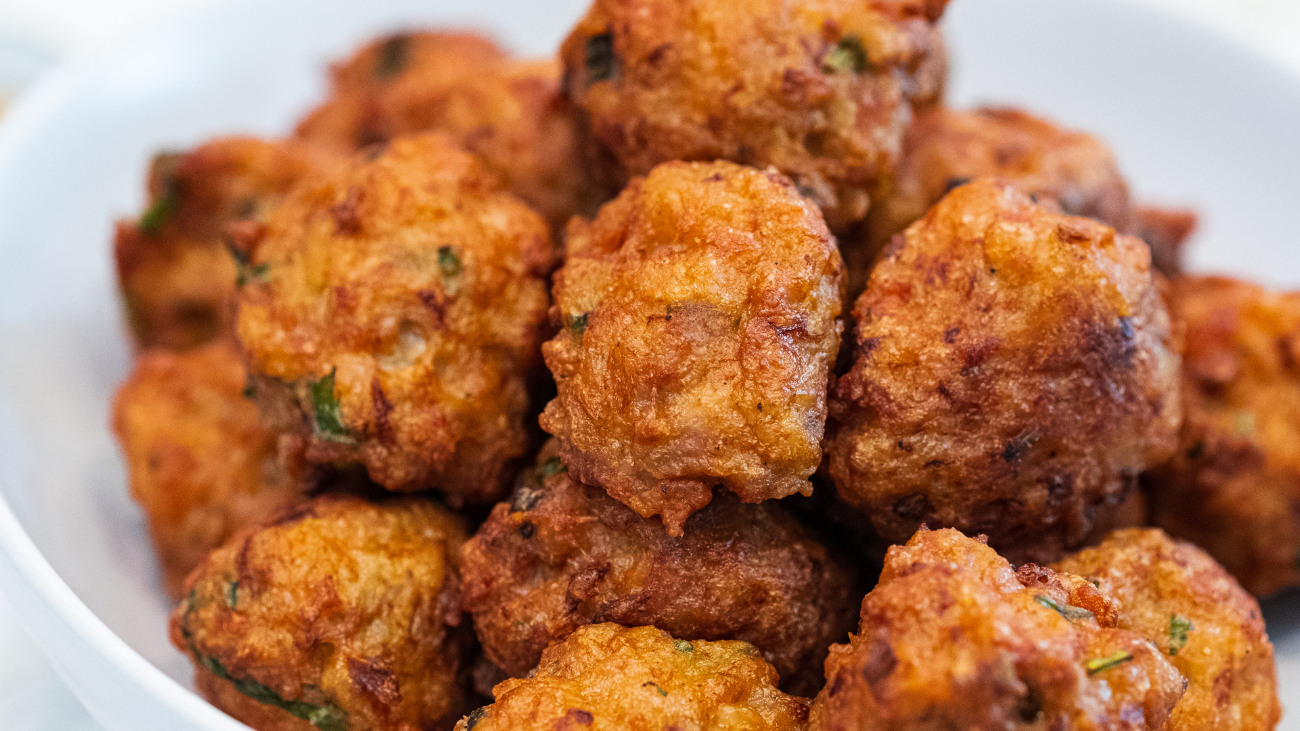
173, 265
1175, 595
609, 678
508, 112
1014, 369
818, 88
561, 555
699, 312
945, 148
953, 638
341, 613
393, 314
1233, 487
199, 463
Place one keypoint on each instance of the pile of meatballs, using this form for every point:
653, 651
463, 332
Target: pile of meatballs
711, 376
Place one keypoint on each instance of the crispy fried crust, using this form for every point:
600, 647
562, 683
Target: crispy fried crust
952, 638
199, 463
699, 312
609, 678
1014, 370
173, 265
819, 88
508, 112
561, 555
396, 318
1233, 487
1175, 595
946, 147
341, 613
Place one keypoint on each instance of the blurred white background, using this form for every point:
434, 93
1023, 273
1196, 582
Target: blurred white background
36, 34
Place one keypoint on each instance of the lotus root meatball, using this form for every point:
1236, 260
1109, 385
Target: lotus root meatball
1015, 371
392, 317
699, 327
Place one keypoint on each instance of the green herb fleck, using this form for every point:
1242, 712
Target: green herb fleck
658, 689
1102, 664
232, 594
577, 323
162, 208
847, 56
1068, 611
245, 270
324, 717
328, 422
1178, 629
683, 646
552, 466
393, 56
448, 262
474, 717
602, 64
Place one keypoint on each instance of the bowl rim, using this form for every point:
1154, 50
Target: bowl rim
46, 590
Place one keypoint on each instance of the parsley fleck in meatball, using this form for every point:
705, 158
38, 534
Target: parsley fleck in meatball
1015, 370
605, 677
699, 327
338, 614
393, 318
561, 555
198, 461
1175, 595
821, 89
173, 263
508, 112
1234, 485
952, 638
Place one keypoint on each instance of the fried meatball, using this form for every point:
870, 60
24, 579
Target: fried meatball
1233, 487
953, 638
508, 112
605, 677
173, 265
393, 318
945, 148
699, 312
199, 463
821, 89
339, 613
1175, 595
1015, 369
1166, 231
561, 555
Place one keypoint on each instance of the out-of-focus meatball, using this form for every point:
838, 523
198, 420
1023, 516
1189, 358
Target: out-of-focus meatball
1175, 595
699, 312
173, 263
393, 315
508, 112
1233, 487
822, 89
1166, 231
561, 555
945, 148
952, 638
1015, 369
610, 678
339, 614
198, 461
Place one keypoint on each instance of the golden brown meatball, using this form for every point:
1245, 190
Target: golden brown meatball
610, 678
1015, 369
699, 312
200, 465
340, 614
393, 315
561, 555
173, 264
953, 638
819, 88
508, 112
1233, 487
1175, 595
945, 148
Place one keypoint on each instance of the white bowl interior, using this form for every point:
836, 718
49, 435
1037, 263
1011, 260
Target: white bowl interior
1194, 117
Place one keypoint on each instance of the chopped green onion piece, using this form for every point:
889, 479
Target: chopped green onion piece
1068, 611
847, 56
683, 646
1178, 629
232, 594
324, 717
577, 323
601, 61
393, 56
553, 466
328, 421
448, 262
1102, 664
657, 688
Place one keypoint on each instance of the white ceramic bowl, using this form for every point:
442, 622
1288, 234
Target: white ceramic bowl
1194, 115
